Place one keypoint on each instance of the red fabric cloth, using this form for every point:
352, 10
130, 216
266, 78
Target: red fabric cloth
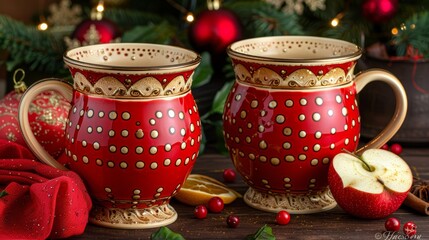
42, 201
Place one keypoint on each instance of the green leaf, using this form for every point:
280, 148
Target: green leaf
161, 33
220, 98
164, 233
3, 193
204, 71
264, 233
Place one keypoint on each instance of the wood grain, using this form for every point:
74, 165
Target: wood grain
333, 224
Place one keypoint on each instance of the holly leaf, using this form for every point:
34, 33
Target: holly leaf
264, 233
203, 72
220, 98
165, 233
3, 193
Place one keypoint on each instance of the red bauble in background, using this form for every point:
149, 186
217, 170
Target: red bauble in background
48, 114
379, 11
96, 31
214, 30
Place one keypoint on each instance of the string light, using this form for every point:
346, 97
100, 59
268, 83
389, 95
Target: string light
190, 17
43, 25
394, 31
100, 6
336, 20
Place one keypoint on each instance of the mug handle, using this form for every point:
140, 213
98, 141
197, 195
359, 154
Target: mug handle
66, 90
365, 77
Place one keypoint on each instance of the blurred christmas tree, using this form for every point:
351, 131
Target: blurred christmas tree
399, 26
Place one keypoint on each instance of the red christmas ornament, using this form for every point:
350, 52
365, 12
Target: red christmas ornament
48, 114
96, 31
214, 30
379, 11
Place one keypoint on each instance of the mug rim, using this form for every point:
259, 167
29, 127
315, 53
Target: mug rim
232, 49
196, 58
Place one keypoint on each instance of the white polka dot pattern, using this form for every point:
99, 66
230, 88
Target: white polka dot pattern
274, 136
156, 140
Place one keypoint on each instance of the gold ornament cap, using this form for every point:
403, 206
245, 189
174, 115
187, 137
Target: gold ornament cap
20, 85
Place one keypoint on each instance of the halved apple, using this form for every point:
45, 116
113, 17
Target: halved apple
373, 185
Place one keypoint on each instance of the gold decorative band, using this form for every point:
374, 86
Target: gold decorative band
146, 87
300, 78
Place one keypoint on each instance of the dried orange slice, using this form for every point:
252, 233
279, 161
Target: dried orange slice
198, 189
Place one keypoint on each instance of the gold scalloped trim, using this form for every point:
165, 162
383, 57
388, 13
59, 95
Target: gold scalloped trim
293, 203
301, 78
133, 218
143, 88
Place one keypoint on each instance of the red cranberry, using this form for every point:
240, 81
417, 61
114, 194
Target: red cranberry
215, 204
392, 224
410, 229
385, 147
229, 175
396, 148
283, 217
232, 221
200, 212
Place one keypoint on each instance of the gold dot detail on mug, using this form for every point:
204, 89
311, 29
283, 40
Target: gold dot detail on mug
275, 161
126, 116
101, 114
139, 164
243, 114
153, 150
319, 101
167, 162
338, 99
123, 165
301, 117
263, 144
84, 143
90, 113
289, 158
124, 150
99, 129
154, 134
158, 114
85, 159
289, 103
314, 162
113, 115
139, 134
272, 104
303, 101
171, 113
154, 165
254, 104
181, 115
124, 133
96, 145
316, 117
280, 119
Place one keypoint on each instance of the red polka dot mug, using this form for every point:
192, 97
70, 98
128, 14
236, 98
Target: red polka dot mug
133, 132
292, 108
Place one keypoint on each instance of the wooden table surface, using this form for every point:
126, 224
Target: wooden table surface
333, 224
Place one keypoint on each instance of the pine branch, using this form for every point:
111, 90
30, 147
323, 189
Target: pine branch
127, 18
414, 33
26, 45
260, 18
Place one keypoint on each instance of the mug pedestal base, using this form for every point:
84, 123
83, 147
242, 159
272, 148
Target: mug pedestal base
133, 218
293, 203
